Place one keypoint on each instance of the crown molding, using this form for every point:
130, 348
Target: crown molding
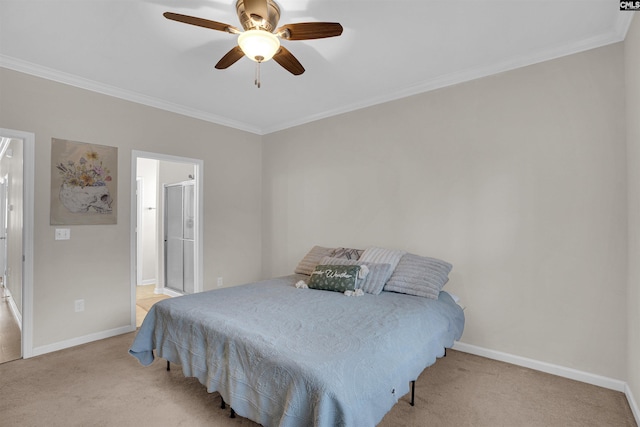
127, 95
617, 34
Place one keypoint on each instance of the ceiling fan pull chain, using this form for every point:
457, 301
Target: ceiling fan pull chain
257, 80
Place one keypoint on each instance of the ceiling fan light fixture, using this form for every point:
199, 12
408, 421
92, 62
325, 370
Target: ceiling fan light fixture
259, 45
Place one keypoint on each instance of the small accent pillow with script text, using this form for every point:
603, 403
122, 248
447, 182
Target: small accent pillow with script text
337, 278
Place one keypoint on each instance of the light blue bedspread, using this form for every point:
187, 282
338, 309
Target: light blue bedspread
283, 356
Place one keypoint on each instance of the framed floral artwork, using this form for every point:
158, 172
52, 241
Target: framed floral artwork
84, 187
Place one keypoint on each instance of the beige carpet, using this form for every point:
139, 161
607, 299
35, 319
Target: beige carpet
100, 384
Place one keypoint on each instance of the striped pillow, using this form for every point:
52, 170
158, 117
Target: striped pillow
421, 276
382, 256
311, 259
375, 280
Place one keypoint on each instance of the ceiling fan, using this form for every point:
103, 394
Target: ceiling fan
260, 40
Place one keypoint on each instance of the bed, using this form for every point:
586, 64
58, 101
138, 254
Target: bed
284, 356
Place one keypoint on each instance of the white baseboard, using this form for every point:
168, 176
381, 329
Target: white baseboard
549, 368
169, 292
632, 403
148, 282
16, 312
37, 351
560, 371
13, 306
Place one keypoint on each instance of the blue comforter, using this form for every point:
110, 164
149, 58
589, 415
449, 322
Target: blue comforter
283, 356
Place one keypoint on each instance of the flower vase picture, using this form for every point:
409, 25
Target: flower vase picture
83, 183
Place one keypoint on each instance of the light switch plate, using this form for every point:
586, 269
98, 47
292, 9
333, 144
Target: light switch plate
63, 233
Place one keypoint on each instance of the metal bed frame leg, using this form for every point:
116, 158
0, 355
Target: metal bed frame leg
223, 405
413, 393
413, 385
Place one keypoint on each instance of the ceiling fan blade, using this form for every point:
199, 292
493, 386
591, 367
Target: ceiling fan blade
230, 58
201, 22
288, 61
257, 8
309, 30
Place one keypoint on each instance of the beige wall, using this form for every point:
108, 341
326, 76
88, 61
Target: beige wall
632, 72
518, 179
95, 264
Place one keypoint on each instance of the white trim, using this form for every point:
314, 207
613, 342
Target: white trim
148, 282
61, 345
15, 312
138, 228
616, 34
454, 78
26, 67
13, 307
170, 292
199, 226
28, 189
549, 368
632, 403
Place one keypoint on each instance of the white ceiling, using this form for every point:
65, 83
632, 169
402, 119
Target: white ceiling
389, 49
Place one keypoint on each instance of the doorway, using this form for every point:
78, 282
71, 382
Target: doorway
152, 173
16, 243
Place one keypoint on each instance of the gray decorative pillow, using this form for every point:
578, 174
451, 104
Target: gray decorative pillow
311, 259
383, 256
421, 276
375, 280
346, 253
337, 278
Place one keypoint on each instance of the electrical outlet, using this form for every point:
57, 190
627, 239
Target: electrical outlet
219, 282
79, 305
63, 233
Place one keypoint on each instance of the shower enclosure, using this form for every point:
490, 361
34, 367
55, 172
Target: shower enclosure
179, 236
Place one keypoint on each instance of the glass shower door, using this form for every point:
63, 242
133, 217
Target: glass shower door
179, 237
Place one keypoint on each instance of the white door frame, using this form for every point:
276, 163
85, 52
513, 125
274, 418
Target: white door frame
139, 208
199, 229
28, 188
4, 188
